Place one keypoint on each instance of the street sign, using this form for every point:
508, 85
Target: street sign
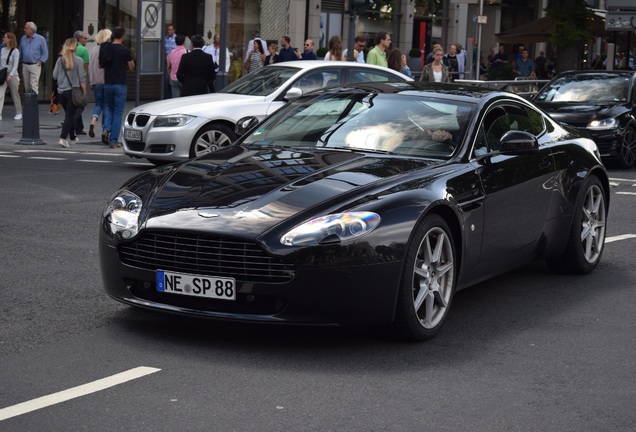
620, 21
151, 19
482, 19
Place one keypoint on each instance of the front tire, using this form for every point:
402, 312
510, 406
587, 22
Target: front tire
587, 233
428, 281
210, 138
627, 151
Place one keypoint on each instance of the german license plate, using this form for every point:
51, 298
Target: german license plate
132, 135
197, 286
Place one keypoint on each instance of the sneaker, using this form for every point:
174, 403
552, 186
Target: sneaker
91, 131
74, 141
115, 145
105, 136
18, 117
63, 143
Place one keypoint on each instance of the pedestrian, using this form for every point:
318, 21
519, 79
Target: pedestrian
169, 43
335, 49
250, 45
82, 53
256, 57
173, 60
452, 62
286, 53
397, 61
377, 56
214, 50
436, 71
359, 44
524, 67
116, 60
69, 73
308, 51
541, 66
272, 57
33, 54
9, 58
501, 58
196, 69
96, 78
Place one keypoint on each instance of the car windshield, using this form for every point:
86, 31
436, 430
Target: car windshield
386, 123
261, 82
586, 88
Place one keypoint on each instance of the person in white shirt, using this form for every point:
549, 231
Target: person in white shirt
214, 48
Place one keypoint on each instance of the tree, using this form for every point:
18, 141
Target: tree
572, 28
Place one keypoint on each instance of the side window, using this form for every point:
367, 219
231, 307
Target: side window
362, 75
311, 82
494, 124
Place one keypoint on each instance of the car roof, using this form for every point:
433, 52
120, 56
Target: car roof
315, 64
596, 72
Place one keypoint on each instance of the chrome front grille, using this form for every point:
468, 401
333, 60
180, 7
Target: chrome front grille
204, 255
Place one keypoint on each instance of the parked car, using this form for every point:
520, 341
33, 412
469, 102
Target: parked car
601, 103
176, 129
369, 204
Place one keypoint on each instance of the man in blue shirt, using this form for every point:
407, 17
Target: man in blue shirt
33, 54
524, 67
286, 53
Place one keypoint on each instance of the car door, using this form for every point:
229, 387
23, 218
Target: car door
518, 188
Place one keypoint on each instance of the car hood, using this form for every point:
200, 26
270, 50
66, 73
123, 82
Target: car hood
578, 114
196, 105
244, 192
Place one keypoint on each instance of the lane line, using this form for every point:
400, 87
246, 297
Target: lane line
625, 193
9, 156
620, 179
75, 392
620, 237
95, 161
45, 158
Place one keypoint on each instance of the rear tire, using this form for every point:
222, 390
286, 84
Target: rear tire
428, 281
587, 233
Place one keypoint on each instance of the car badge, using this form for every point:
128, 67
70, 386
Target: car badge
208, 215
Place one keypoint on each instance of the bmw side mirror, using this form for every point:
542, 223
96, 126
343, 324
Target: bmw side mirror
244, 124
293, 93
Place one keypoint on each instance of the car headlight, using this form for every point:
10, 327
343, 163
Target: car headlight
122, 214
173, 120
608, 123
332, 228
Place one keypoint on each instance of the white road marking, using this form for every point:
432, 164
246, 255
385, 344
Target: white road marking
622, 180
620, 237
75, 392
45, 158
94, 160
48, 151
9, 156
625, 193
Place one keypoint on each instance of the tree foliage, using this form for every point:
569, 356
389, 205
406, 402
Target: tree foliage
572, 28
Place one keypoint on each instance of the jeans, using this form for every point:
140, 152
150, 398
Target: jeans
114, 104
98, 91
70, 114
175, 87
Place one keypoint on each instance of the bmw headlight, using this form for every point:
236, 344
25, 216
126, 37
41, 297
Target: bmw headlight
604, 124
176, 120
335, 227
122, 214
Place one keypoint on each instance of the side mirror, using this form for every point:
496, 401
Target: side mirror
518, 143
244, 124
293, 93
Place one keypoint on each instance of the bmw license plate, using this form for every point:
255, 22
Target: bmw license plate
196, 286
132, 135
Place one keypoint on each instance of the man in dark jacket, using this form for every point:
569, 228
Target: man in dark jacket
196, 70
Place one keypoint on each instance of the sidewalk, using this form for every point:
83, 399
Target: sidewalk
50, 128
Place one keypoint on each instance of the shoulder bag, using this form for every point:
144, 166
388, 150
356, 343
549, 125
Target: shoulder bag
79, 97
4, 72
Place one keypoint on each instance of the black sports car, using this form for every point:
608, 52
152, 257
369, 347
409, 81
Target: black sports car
370, 204
601, 103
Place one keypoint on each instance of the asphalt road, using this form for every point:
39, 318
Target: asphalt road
527, 351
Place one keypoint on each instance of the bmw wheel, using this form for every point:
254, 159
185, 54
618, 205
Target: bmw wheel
210, 138
428, 281
587, 233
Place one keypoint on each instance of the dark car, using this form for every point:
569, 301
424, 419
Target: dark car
371, 204
601, 103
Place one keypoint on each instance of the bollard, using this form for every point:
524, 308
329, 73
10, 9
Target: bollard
30, 121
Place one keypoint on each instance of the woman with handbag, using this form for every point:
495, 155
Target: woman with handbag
9, 59
69, 73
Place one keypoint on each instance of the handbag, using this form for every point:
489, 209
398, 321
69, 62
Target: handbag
77, 93
5, 71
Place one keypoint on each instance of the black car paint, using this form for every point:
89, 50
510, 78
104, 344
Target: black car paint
493, 230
